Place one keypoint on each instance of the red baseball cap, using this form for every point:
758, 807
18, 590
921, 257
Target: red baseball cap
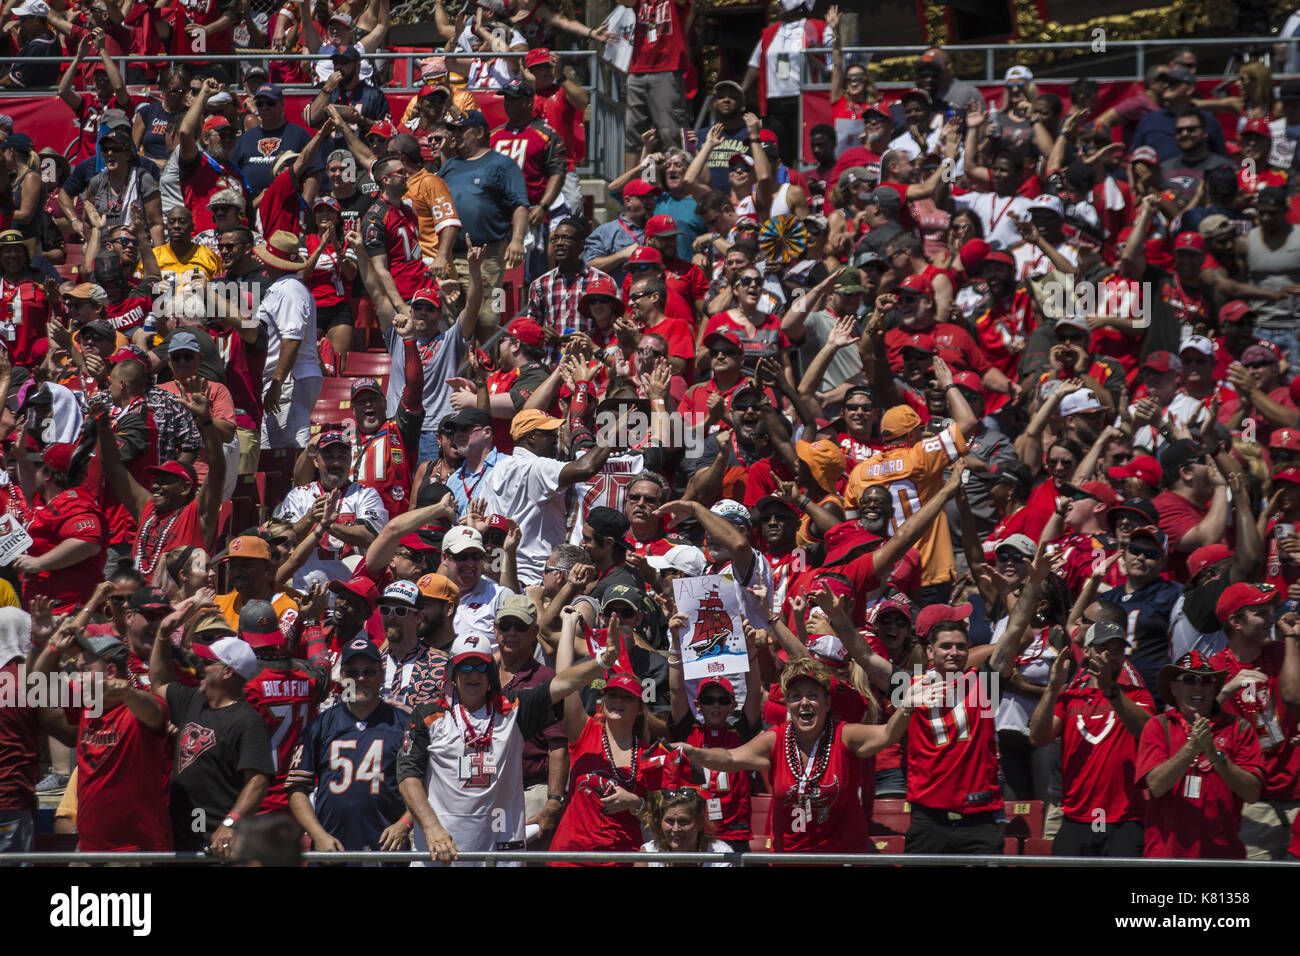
1288, 438
431, 294
1239, 595
526, 331
1202, 558
845, 538
1162, 361
1259, 126
969, 380
215, 122
997, 255
661, 226
58, 457
646, 254
498, 523
729, 338
174, 469
972, 253
767, 136
537, 56
934, 613
639, 187
1142, 466
1290, 475
1101, 492
363, 588
917, 283
720, 682
625, 682
601, 286
1235, 311
384, 128
1190, 240
415, 542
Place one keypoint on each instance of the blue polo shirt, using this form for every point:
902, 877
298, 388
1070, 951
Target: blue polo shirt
1156, 130
487, 190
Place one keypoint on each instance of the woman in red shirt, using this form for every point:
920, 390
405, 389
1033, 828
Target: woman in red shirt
759, 333
611, 766
816, 763
330, 271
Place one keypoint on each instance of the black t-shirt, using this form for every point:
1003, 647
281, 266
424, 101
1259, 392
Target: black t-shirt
213, 750
355, 206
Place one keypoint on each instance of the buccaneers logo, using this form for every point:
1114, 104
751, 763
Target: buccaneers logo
195, 739
816, 801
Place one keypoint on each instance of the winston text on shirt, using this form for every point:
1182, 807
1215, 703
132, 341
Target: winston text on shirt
1123, 300
18, 688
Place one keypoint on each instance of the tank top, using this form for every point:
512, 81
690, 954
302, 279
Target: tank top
829, 811
780, 207
1273, 269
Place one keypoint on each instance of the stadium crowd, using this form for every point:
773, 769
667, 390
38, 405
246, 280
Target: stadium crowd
358, 463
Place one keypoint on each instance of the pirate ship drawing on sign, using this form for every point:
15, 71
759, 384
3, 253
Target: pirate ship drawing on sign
712, 626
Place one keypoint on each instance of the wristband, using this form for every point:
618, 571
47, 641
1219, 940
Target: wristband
405, 818
557, 797
948, 388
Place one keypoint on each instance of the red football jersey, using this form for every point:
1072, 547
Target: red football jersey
71, 514
730, 815
1098, 752
536, 149
123, 771
24, 318
825, 815
952, 751
1263, 709
394, 231
585, 826
287, 698
383, 462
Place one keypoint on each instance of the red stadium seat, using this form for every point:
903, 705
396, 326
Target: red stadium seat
760, 806
331, 413
1037, 846
891, 805
886, 824
1010, 846
367, 364
1024, 818
336, 390
888, 844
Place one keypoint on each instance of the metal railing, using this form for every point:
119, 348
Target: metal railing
736, 859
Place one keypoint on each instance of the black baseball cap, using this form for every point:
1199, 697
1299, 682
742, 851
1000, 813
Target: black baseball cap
608, 523
1178, 453
472, 418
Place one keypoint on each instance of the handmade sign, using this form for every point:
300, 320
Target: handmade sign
714, 642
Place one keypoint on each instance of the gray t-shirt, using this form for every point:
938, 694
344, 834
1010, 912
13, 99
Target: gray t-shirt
441, 357
846, 362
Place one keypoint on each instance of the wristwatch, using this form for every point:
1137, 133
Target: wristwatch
230, 820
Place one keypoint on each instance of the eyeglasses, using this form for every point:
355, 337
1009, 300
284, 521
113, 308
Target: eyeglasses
518, 627
395, 610
724, 353
360, 672
1142, 551
1195, 680
473, 667
716, 700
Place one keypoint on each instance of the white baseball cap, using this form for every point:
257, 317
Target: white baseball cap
1198, 343
404, 591
235, 653
1018, 73
1080, 403
830, 649
730, 509
685, 558
460, 539
32, 8
1049, 202
471, 645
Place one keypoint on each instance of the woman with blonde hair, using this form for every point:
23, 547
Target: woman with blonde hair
678, 822
1013, 119
1255, 101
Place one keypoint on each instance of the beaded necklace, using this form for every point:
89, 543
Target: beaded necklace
817, 763
619, 774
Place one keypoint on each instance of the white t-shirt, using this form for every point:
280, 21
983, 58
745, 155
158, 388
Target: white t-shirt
441, 357
785, 58
714, 846
477, 611
1183, 409
527, 488
998, 214
607, 489
288, 310
325, 65
361, 504
1032, 261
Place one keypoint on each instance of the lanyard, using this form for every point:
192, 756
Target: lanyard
806, 776
993, 205
481, 743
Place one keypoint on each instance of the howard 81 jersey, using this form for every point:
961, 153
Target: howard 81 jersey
350, 766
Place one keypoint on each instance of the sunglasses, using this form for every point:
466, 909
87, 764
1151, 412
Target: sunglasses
1011, 557
749, 280
1263, 364
118, 598
1060, 463
859, 408
716, 700
908, 301
360, 672
744, 406
635, 296
519, 627
1187, 130
125, 241
1015, 87
727, 353
551, 569
600, 300
395, 610
472, 667
1195, 680
1122, 457
466, 556
1141, 551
